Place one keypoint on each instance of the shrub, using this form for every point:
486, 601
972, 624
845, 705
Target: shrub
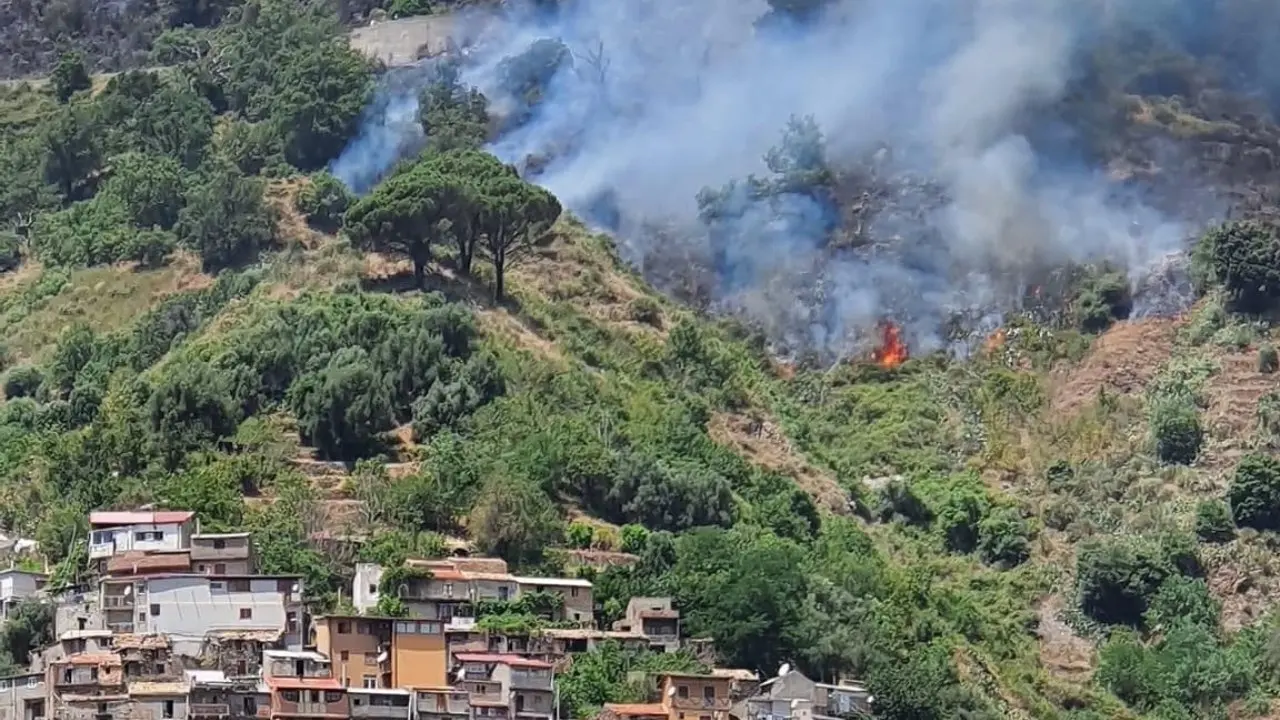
324, 200
69, 76
1176, 430
1103, 298
1182, 599
645, 309
1213, 522
959, 516
897, 500
10, 251
22, 382
1243, 257
1254, 494
634, 538
1118, 577
579, 535
1268, 359
1003, 538
343, 408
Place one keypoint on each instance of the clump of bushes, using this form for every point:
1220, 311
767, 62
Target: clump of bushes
1254, 494
1103, 298
1176, 431
1268, 359
1118, 577
1244, 258
324, 201
1213, 522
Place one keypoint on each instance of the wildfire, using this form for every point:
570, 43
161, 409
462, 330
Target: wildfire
892, 351
995, 341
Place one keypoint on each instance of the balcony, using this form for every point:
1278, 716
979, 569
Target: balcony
531, 681
209, 710
397, 712
441, 704
701, 703
230, 552
101, 550
115, 602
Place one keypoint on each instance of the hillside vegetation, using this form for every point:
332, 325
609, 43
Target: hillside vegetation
1077, 520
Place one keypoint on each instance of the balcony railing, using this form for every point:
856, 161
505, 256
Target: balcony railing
701, 703
117, 601
531, 682
379, 711
209, 710
207, 552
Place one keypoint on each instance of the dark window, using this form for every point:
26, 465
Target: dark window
168, 709
246, 613
332, 696
709, 692
155, 609
290, 695
238, 585
219, 568
219, 544
345, 655
250, 706
344, 628
682, 691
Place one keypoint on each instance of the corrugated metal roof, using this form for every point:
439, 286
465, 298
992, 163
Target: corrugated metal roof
501, 659
140, 517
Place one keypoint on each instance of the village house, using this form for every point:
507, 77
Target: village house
22, 697
655, 618
302, 685
113, 533
793, 696
441, 703
508, 686
222, 554
373, 652
682, 696
18, 585
86, 685
381, 703
212, 695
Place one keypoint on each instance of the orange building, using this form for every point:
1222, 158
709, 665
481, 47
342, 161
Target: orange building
381, 652
683, 697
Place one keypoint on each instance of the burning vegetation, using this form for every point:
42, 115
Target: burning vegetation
892, 351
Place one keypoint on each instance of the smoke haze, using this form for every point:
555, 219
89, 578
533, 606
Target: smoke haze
666, 97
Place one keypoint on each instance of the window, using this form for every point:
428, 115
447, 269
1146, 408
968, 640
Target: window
219, 568
344, 628
362, 628
250, 706
315, 696
332, 696
370, 681
216, 586
200, 568
404, 627
101, 537
448, 590
682, 691
142, 616
373, 589
168, 709
246, 613
238, 585
290, 695
573, 592
155, 610
291, 621
4, 684
219, 544
345, 656
709, 693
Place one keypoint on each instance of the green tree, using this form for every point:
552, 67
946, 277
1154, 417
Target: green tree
27, 630
69, 76
453, 116
73, 151
513, 213
324, 201
1003, 538
226, 219
1254, 494
190, 407
403, 216
148, 186
1118, 577
22, 381
1244, 257
319, 92
343, 408
514, 520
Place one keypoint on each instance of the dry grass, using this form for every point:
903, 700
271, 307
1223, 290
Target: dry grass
762, 441
1122, 361
104, 298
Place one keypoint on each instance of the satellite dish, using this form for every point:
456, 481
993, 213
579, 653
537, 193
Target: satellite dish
786, 668
871, 699
795, 703
671, 691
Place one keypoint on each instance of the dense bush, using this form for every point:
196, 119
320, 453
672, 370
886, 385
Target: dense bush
1004, 538
1175, 429
1117, 578
1244, 257
1213, 522
22, 381
1254, 494
1268, 359
324, 200
10, 251
1103, 298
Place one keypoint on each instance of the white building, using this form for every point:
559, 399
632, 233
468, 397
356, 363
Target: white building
18, 585
115, 533
189, 607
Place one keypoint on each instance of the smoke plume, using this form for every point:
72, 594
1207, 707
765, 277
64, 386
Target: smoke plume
979, 195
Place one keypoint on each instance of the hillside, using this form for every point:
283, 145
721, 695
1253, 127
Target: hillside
982, 411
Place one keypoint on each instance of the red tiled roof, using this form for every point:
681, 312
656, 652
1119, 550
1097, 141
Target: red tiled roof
138, 563
304, 683
502, 659
636, 709
143, 517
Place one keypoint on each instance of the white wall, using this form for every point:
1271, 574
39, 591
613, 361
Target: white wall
17, 585
367, 575
113, 541
193, 606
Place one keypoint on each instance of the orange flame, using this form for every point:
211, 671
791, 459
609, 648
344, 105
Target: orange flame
995, 341
892, 351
